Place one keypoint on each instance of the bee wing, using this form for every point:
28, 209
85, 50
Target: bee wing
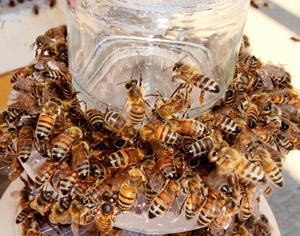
75, 228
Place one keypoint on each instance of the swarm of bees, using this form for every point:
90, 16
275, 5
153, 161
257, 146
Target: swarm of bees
97, 164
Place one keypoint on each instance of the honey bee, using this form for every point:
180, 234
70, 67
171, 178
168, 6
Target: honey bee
164, 200
13, 114
47, 119
53, 74
24, 213
42, 201
19, 74
45, 172
57, 32
252, 115
36, 9
124, 157
240, 230
225, 216
80, 215
60, 212
204, 145
15, 170
80, 158
105, 216
153, 177
115, 122
95, 118
67, 180
210, 209
194, 186
166, 108
269, 166
135, 96
25, 193
80, 190
68, 89
165, 160
61, 50
188, 75
188, 127
129, 189
251, 64
232, 161
266, 135
64, 142
249, 205
25, 142
97, 190
263, 227
150, 131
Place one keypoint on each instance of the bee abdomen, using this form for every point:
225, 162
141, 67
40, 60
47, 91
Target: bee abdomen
126, 197
205, 83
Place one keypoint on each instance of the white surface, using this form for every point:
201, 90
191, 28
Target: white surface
9, 205
19, 29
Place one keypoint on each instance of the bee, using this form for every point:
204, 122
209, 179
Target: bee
164, 200
251, 64
188, 75
232, 161
95, 118
124, 157
269, 166
135, 96
204, 145
57, 32
129, 189
67, 180
249, 205
60, 212
165, 162
194, 186
166, 108
68, 89
263, 227
13, 114
162, 133
47, 119
97, 190
64, 141
252, 115
153, 177
45, 172
80, 158
225, 216
17, 75
240, 230
24, 213
80, 215
15, 170
25, 142
61, 50
36, 9
42, 202
105, 216
115, 122
25, 193
54, 75
188, 127
100, 171
266, 135
210, 209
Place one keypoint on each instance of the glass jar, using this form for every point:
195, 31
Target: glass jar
111, 41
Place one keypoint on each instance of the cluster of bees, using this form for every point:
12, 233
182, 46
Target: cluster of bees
97, 164
36, 8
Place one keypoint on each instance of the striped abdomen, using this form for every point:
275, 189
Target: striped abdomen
44, 173
205, 83
95, 118
250, 172
167, 167
252, 116
44, 126
200, 147
166, 135
61, 146
23, 215
272, 171
127, 196
67, 183
209, 210
124, 157
137, 112
160, 204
